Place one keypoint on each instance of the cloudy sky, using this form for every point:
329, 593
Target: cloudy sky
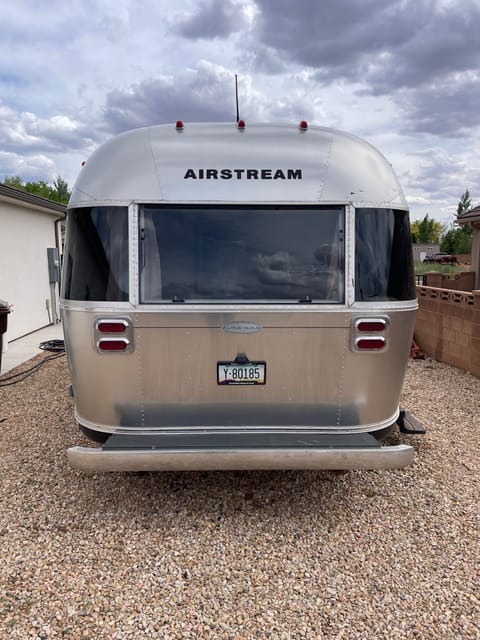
403, 74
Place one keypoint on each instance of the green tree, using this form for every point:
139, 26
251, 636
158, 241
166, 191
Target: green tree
14, 181
61, 187
59, 192
465, 203
458, 240
427, 231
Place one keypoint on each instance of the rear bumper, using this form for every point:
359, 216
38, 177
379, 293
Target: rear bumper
368, 455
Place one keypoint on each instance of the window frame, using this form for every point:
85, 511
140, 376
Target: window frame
311, 208
400, 278
82, 259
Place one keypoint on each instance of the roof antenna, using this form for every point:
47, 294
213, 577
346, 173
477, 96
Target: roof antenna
236, 97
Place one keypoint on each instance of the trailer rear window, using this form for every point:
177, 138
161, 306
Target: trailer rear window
273, 254
96, 254
384, 259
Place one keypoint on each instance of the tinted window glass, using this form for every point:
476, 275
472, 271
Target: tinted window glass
96, 254
384, 258
217, 253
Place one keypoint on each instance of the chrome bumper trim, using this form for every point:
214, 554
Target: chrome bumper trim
98, 459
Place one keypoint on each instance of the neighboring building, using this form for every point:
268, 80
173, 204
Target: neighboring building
420, 251
29, 226
472, 218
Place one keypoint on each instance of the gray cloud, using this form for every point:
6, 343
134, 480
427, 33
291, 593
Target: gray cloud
386, 44
438, 170
263, 59
444, 176
212, 19
27, 132
202, 95
442, 46
333, 36
450, 108
420, 53
33, 167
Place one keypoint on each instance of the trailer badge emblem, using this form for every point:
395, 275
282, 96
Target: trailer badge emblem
242, 327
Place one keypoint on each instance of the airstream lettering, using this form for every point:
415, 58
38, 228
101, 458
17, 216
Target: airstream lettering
247, 174
238, 298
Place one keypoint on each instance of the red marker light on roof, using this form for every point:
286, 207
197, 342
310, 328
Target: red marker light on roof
303, 126
179, 125
241, 124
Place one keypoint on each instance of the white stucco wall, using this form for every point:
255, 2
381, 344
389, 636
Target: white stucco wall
420, 251
25, 235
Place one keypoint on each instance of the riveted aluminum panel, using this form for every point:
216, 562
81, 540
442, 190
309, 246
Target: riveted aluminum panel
151, 165
314, 376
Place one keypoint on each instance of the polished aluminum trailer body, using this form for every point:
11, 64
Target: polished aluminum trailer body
162, 361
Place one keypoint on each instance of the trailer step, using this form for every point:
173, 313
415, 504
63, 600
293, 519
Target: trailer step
238, 441
409, 425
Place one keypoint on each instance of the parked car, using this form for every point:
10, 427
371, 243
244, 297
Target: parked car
441, 258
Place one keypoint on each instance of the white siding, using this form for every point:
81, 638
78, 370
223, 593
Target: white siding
24, 237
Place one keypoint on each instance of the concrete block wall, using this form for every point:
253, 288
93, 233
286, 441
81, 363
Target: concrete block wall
475, 344
448, 326
462, 281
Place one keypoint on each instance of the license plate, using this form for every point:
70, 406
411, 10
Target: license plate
241, 373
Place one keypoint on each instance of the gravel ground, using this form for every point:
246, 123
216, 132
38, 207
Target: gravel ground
240, 555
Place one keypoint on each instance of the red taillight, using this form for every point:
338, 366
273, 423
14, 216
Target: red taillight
179, 125
374, 344
370, 333
113, 334
371, 326
303, 126
112, 326
112, 344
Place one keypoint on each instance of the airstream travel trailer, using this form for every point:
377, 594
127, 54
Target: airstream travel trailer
237, 297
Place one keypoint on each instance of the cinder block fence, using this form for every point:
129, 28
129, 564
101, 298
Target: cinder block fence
448, 326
